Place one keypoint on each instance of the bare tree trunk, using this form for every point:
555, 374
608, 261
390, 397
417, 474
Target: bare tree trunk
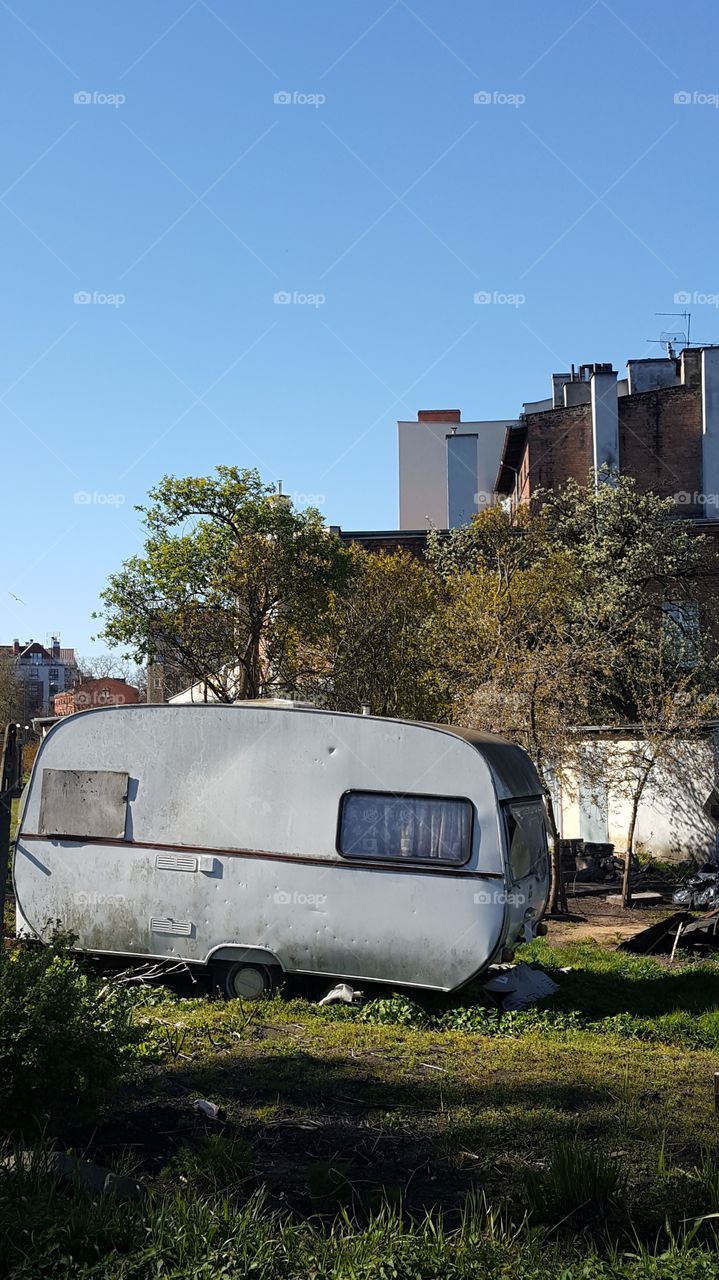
557, 893
636, 798
626, 877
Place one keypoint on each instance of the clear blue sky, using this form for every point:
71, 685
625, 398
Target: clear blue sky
396, 199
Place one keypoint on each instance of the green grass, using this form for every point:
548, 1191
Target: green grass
419, 1137
47, 1233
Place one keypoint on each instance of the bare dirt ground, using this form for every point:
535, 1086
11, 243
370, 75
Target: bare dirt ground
594, 917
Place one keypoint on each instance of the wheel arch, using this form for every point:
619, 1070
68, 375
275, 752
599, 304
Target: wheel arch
233, 953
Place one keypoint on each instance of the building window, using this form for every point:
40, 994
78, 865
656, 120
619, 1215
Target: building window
398, 828
681, 632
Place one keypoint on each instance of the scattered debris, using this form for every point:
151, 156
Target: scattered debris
657, 939
210, 1109
342, 993
702, 932
93, 1177
700, 891
516, 986
648, 898
683, 927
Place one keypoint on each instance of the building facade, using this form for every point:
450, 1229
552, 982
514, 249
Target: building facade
447, 468
660, 425
43, 671
105, 692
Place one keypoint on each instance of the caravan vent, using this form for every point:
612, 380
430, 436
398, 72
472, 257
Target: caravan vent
176, 862
179, 928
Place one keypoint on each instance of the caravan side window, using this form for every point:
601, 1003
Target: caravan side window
527, 835
399, 828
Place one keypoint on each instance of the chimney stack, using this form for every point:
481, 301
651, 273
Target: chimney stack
439, 415
605, 418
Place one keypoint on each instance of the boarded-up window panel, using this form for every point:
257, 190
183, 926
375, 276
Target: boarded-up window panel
87, 803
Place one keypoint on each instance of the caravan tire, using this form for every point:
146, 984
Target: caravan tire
244, 981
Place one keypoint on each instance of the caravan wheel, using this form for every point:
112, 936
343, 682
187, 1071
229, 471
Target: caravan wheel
244, 981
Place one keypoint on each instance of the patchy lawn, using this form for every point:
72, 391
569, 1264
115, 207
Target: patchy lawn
578, 1138
615, 1059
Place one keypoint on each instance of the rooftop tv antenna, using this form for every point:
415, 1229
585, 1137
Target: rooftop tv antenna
674, 340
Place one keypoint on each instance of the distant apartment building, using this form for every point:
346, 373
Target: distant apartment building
43, 671
659, 424
103, 692
447, 468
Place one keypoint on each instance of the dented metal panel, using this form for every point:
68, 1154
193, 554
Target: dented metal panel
247, 800
88, 803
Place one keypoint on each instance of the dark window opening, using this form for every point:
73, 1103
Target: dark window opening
402, 828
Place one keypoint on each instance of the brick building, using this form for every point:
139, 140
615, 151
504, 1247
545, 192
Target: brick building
660, 424
104, 692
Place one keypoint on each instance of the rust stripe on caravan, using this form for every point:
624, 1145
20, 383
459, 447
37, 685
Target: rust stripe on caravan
423, 868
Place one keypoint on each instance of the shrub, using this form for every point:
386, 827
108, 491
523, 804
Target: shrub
66, 1036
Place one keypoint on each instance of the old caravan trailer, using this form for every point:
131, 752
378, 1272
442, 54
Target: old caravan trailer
263, 839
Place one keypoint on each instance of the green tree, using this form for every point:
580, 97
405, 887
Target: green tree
559, 618
234, 584
380, 648
11, 692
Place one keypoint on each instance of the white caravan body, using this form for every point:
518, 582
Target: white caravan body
302, 840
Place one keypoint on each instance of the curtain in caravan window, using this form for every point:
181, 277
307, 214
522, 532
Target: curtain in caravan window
412, 828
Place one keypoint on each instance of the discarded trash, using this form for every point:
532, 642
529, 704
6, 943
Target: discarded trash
702, 932
700, 891
517, 986
342, 993
680, 930
657, 939
648, 898
210, 1109
92, 1177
